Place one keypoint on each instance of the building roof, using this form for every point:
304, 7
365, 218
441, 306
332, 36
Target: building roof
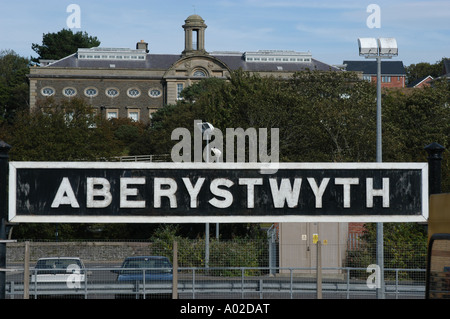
417, 82
370, 67
234, 61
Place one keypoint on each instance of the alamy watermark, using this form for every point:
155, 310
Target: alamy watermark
374, 279
74, 19
258, 149
374, 19
73, 281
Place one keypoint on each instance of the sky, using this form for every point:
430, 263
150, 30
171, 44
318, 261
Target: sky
329, 29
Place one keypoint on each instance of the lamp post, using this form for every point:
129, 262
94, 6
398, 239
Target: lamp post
206, 129
382, 48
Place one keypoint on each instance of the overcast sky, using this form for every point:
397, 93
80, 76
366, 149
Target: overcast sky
328, 29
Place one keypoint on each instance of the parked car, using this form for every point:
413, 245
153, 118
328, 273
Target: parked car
157, 270
69, 270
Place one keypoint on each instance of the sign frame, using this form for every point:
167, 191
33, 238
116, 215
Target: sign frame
14, 166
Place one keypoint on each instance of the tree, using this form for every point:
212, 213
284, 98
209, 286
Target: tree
61, 131
414, 119
58, 45
13, 84
405, 244
320, 115
421, 70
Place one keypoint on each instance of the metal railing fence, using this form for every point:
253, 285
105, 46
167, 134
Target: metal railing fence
195, 283
249, 269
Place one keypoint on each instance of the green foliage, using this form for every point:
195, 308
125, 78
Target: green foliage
61, 131
404, 247
60, 44
320, 115
14, 89
421, 70
191, 253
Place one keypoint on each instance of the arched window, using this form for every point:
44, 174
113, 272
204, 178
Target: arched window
199, 73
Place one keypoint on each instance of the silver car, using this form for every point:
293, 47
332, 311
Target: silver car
68, 270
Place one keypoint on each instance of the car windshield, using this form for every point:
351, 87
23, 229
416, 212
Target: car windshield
56, 263
147, 263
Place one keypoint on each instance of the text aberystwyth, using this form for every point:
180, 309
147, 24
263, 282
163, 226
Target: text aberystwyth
193, 192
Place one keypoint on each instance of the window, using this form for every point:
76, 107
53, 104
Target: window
154, 93
367, 78
91, 92
112, 114
386, 79
112, 92
179, 89
69, 92
133, 92
199, 73
47, 91
133, 114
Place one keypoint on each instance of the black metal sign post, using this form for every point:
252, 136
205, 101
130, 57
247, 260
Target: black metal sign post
4, 149
100, 192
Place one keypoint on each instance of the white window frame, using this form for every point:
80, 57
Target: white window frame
69, 88
91, 88
132, 111
154, 96
112, 88
133, 96
50, 88
180, 88
112, 111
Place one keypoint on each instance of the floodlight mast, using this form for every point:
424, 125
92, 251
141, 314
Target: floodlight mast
382, 48
207, 129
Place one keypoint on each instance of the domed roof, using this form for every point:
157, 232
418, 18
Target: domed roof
194, 17
194, 21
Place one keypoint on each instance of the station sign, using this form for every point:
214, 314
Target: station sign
139, 192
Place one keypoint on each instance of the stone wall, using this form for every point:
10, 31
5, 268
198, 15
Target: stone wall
89, 252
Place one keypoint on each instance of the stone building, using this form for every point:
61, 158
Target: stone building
134, 83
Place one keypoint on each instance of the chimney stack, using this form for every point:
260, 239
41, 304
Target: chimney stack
142, 46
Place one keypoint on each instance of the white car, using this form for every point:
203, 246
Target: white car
68, 270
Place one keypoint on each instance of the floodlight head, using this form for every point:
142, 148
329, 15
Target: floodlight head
388, 46
367, 46
205, 127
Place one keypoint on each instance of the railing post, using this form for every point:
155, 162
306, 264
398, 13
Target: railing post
291, 278
4, 159
26, 272
319, 270
193, 283
242, 282
175, 271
